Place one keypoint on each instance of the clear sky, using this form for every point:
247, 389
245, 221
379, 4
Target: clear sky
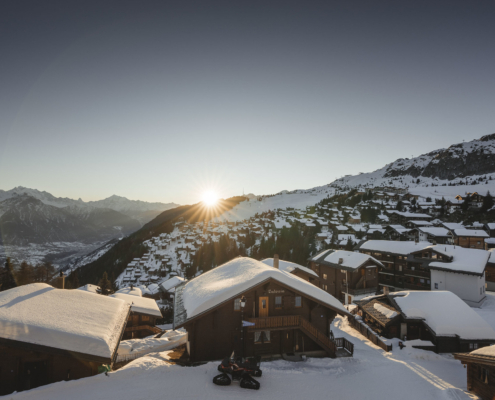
160, 100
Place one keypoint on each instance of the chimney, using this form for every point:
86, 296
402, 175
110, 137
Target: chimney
62, 277
385, 290
341, 261
275, 261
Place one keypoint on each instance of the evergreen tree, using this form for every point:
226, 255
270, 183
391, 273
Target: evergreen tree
7, 277
105, 285
487, 202
25, 274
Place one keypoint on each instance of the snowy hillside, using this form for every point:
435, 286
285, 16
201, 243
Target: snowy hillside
462, 163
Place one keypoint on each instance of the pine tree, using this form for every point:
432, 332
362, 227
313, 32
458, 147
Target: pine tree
25, 274
7, 277
105, 285
487, 202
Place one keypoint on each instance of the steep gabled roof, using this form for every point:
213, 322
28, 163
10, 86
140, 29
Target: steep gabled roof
226, 282
71, 320
289, 267
351, 261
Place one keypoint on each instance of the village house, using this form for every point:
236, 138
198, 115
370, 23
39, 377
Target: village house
480, 371
401, 218
49, 335
396, 232
346, 275
435, 235
167, 288
144, 313
437, 320
469, 238
282, 312
423, 266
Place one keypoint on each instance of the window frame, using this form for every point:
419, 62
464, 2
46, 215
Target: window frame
300, 301
278, 305
237, 304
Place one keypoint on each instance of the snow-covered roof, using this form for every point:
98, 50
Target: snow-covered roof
235, 277
445, 313
73, 320
350, 259
485, 351
452, 225
398, 228
90, 288
464, 260
289, 267
389, 246
471, 233
171, 283
134, 291
410, 214
141, 305
434, 231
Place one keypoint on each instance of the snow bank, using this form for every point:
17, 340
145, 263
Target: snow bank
239, 275
141, 305
445, 313
72, 320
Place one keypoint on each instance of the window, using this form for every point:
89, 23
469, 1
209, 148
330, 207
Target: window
483, 375
278, 301
237, 305
298, 301
145, 318
436, 285
473, 346
481, 290
325, 276
324, 287
261, 337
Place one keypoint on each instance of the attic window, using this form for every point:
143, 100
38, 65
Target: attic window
298, 301
237, 305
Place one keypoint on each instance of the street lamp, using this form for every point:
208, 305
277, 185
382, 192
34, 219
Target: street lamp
243, 304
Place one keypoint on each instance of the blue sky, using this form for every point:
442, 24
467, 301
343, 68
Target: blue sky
160, 101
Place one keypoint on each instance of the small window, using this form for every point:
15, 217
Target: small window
473, 346
436, 285
325, 276
298, 301
278, 302
261, 337
237, 305
483, 375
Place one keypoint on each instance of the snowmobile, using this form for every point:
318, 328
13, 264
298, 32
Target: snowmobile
241, 369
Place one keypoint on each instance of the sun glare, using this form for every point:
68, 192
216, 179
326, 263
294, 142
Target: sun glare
209, 198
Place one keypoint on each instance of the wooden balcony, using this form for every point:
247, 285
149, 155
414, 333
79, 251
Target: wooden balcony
332, 347
415, 272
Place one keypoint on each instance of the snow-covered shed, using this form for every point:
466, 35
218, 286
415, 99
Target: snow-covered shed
48, 335
144, 313
281, 309
480, 371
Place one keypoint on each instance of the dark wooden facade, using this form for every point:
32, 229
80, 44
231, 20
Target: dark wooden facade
140, 325
337, 281
480, 374
469, 242
285, 321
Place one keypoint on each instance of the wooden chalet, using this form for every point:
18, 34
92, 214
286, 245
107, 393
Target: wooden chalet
49, 335
480, 371
439, 317
424, 266
401, 218
469, 238
396, 232
283, 313
142, 320
436, 235
346, 275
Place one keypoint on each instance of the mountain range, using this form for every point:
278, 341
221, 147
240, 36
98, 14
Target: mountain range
30, 216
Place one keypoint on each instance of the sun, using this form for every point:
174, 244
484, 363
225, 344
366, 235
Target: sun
209, 197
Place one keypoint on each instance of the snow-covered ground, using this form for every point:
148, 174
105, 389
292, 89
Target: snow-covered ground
370, 374
487, 309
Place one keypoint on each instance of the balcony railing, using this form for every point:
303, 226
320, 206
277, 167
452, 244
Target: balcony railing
274, 322
415, 272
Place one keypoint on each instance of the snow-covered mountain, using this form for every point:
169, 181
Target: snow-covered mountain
462, 163
137, 209
25, 220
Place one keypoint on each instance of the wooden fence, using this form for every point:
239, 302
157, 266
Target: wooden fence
368, 333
